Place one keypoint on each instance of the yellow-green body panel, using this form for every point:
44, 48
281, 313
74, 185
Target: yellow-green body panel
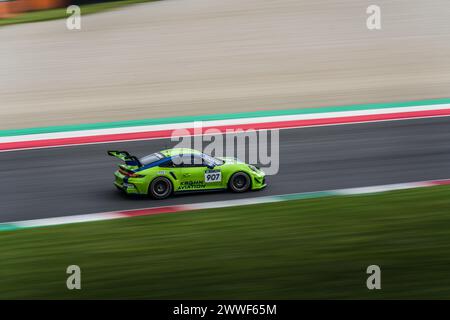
196, 178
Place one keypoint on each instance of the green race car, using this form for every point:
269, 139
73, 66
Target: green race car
179, 170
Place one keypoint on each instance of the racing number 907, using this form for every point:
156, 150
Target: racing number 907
213, 176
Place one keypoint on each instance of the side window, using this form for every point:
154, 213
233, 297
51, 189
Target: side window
182, 161
168, 164
185, 161
198, 161
207, 161
178, 161
189, 161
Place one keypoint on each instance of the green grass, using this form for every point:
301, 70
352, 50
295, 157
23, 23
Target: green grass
60, 13
317, 248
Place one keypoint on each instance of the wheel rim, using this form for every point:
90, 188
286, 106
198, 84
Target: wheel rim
161, 188
240, 182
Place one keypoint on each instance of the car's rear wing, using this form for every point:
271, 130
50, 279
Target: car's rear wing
125, 156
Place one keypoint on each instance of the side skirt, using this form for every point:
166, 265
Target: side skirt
199, 191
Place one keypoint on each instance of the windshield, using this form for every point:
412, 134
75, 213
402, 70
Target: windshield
151, 158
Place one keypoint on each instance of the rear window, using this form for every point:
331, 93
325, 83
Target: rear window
151, 158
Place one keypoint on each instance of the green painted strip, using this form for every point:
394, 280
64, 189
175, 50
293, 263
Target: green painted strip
212, 117
8, 227
308, 195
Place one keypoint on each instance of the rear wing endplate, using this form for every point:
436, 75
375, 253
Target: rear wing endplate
125, 156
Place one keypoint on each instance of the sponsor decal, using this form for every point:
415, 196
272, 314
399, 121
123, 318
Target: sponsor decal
190, 185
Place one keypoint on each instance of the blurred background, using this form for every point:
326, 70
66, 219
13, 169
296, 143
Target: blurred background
189, 57
135, 59
12, 8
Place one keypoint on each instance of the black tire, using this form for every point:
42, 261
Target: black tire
160, 188
239, 182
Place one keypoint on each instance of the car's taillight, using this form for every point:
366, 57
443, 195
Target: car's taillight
134, 175
130, 174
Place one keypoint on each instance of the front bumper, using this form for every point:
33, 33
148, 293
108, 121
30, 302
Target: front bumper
259, 181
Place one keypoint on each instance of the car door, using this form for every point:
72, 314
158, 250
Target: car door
192, 173
212, 173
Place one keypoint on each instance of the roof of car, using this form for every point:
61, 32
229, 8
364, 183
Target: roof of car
177, 151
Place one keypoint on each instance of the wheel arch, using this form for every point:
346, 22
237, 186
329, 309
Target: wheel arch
154, 177
240, 171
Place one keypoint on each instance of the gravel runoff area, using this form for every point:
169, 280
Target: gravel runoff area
189, 57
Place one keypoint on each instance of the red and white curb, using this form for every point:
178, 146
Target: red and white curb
17, 225
160, 131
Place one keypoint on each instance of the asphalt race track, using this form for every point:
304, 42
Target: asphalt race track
78, 180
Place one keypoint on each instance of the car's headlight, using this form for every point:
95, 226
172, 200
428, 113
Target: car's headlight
255, 169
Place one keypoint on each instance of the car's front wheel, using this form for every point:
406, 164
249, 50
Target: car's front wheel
239, 182
160, 188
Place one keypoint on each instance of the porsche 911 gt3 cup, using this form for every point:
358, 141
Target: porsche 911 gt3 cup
181, 170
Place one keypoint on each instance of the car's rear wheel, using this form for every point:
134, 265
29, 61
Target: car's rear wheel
239, 182
160, 188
